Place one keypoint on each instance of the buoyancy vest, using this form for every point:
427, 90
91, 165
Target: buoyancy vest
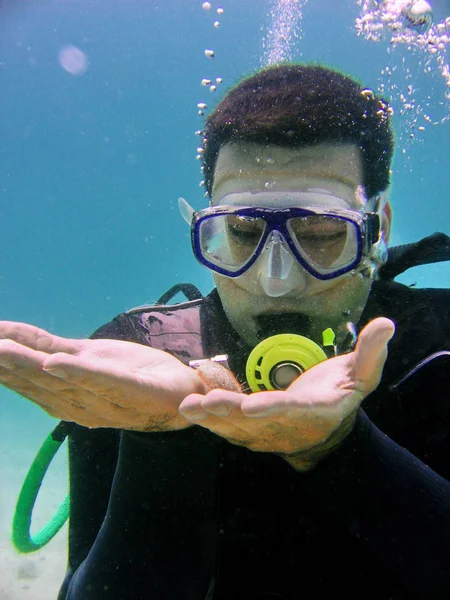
172, 328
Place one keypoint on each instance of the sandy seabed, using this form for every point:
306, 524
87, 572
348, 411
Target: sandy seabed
37, 575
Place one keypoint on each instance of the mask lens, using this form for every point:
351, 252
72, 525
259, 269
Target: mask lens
230, 241
326, 242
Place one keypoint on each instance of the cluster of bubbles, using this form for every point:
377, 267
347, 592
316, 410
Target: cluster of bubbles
283, 32
207, 82
408, 25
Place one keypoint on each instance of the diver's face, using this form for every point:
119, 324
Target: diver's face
244, 168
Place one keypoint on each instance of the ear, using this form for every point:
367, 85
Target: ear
386, 221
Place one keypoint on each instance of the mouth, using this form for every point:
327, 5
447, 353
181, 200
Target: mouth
282, 322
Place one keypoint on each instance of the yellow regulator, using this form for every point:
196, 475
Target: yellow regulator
276, 361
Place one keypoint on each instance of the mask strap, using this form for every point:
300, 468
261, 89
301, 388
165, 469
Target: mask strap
186, 210
376, 204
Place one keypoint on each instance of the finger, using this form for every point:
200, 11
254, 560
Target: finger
14, 355
371, 350
56, 396
218, 415
265, 404
191, 408
21, 388
225, 426
28, 366
54, 404
37, 339
222, 403
60, 403
63, 407
219, 412
54, 392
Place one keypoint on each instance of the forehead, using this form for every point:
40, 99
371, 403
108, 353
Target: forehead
247, 166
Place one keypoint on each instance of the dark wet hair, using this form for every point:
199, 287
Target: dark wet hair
295, 105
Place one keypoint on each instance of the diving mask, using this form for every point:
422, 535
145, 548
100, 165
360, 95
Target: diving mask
325, 241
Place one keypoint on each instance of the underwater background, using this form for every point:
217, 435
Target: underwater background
98, 114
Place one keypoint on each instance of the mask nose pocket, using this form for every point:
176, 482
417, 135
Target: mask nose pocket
278, 257
278, 272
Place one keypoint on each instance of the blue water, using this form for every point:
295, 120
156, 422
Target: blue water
91, 165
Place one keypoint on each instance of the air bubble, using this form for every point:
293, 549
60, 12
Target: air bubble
73, 60
368, 94
407, 24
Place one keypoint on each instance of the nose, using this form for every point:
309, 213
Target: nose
278, 270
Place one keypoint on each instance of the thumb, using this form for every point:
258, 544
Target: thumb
371, 351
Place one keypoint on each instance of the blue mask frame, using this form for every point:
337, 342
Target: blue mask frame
367, 232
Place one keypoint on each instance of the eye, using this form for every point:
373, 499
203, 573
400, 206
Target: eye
319, 230
324, 238
245, 229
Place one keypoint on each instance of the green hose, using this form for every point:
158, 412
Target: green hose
21, 537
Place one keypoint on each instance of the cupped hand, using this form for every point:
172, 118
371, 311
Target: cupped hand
96, 383
312, 416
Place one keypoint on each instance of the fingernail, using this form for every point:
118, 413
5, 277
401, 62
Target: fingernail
56, 372
6, 364
219, 411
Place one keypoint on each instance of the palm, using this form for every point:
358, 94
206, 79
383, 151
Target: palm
97, 383
316, 411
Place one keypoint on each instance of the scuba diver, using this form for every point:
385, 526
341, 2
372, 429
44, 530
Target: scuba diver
286, 436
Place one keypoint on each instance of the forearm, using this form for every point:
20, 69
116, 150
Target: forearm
392, 502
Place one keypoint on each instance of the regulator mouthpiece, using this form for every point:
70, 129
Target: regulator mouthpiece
278, 360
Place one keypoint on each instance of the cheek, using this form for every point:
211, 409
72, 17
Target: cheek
336, 296
239, 291
226, 288
350, 294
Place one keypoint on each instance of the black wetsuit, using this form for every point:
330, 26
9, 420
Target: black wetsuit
189, 512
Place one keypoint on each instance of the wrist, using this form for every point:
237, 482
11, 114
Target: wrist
307, 460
